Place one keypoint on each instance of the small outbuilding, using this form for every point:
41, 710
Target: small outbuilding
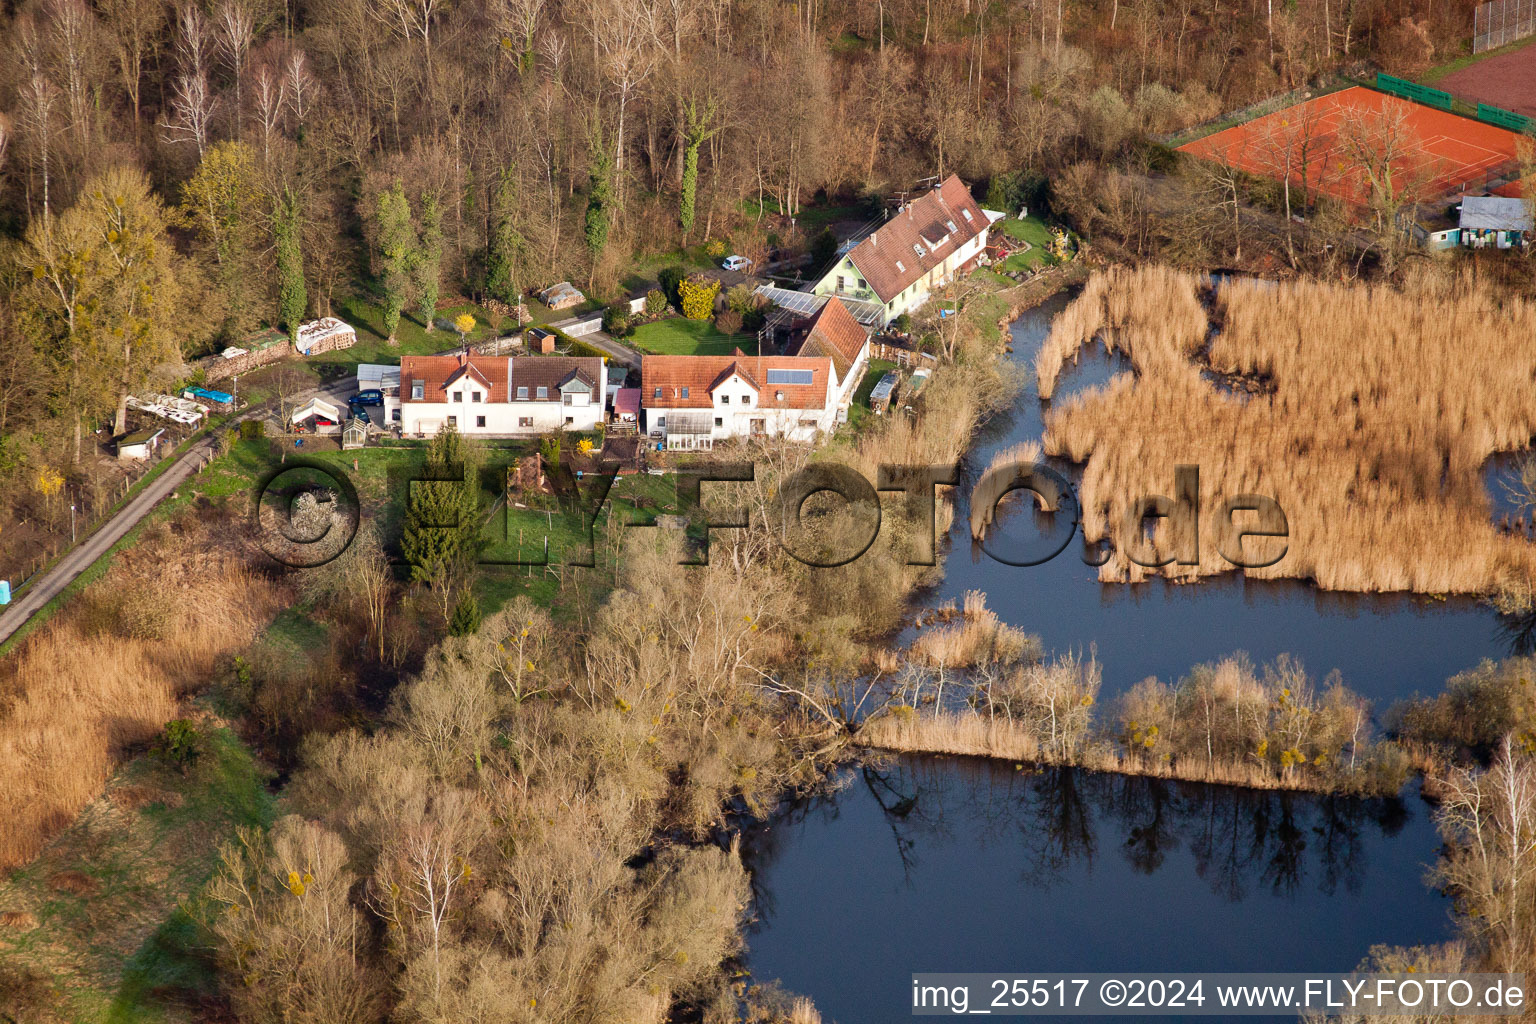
1496, 221
539, 340
355, 433
626, 406
139, 445
317, 411
885, 390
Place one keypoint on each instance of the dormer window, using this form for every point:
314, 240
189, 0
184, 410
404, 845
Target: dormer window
542, 394
966, 214
418, 390
951, 225
685, 392
522, 394
917, 249
658, 393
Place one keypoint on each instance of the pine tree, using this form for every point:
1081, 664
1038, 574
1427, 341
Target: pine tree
397, 248
429, 259
466, 615
291, 295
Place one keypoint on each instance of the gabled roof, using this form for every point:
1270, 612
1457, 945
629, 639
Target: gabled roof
918, 238
437, 372
553, 372
627, 400
701, 375
834, 333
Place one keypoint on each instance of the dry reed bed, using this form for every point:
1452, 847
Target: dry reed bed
1384, 407
967, 734
108, 672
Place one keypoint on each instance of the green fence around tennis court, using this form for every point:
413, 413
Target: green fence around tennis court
1504, 118
1414, 91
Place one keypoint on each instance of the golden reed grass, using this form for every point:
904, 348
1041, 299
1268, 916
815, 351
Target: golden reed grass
969, 734
1377, 411
107, 673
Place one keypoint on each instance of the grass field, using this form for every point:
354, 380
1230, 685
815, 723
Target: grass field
682, 337
1025, 229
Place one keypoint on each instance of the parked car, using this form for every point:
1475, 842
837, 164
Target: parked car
736, 263
372, 396
360, 413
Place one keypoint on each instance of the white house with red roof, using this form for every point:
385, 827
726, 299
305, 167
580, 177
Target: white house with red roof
914, 253
692, 402
503, 396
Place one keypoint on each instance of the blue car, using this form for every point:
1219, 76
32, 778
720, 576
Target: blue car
373, 396
360, 413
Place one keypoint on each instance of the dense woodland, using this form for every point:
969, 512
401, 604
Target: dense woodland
173, 177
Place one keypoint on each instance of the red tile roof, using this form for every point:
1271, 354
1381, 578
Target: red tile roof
833, 332
702, 374
936, 221
435, 372
627, 400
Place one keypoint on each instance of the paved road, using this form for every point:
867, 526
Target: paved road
42, 590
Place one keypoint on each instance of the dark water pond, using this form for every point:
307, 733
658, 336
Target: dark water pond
942, 864
1386, 646
969, 865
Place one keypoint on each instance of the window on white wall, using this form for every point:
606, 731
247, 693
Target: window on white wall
480, 421
458, 396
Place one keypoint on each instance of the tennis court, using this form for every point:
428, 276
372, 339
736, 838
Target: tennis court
1318, 145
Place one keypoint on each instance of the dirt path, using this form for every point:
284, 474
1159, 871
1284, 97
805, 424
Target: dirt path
40, 591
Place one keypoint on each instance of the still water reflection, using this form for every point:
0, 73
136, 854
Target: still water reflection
933, 864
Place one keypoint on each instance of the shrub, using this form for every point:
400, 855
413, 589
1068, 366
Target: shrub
252, 430
616, 319
180, 743
902, 324
728, 320
715, 248
582, 348
670, 279
655, 302
698, 294
741, 299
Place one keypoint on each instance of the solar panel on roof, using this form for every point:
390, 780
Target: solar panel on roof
791, 377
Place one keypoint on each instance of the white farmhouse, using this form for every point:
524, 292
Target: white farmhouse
501, 396
918, 250
695, 401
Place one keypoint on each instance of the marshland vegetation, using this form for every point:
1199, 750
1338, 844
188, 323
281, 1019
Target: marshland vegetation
1366, 411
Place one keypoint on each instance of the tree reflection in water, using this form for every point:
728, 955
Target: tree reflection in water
1240, 839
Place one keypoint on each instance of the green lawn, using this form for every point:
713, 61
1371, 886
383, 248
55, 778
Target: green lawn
859, 408
682, 337
1025, 229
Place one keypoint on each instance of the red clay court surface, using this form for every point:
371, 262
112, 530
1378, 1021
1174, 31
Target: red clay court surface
1443, 154
1508, 81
